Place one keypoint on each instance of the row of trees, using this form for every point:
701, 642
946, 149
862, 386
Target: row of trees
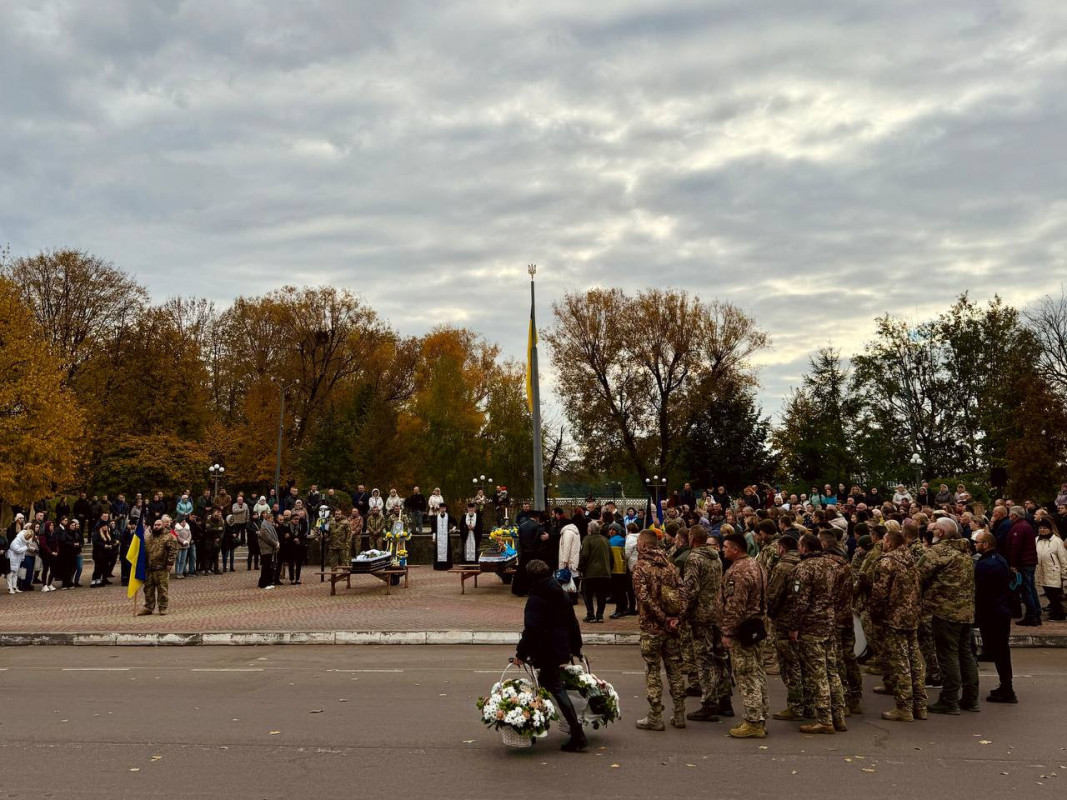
976, 388
104, 389
101, 388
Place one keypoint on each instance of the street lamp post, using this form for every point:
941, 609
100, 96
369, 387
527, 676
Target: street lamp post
655, 485
614, 485
216, 471
917, 464
282, 389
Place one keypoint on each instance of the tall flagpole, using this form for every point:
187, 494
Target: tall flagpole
538, 454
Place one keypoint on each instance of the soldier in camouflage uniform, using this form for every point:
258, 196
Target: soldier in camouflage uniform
703, 584
375, 526
946, 575
779, 596
767, 538
863, 589
926, 633
340, 541
848, 669
161, 548
896, 604
744, 597
661, 600
811, 625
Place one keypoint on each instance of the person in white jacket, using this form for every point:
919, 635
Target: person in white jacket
901, 494
570, 545
633, 530
376, 501
393, 501
16, 552
1051, 566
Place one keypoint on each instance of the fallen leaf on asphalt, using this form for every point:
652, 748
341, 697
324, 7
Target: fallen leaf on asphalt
849, 760
614, 766
468, 741
442, 695
274, 733
794, 772
64, 720
690, 765
135, 769
156, 758
316, 711
342, 699
763, 747
985, 741
867, 769
1003, 773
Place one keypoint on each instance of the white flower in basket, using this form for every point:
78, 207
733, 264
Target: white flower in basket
595, 701
518, 708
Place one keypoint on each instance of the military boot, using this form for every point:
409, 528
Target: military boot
678, 720
749, 730
817, 727
789, 715
840, 725
881, 689
706, 713
855, 705
726, 707
898, 715
653, 722
919, 712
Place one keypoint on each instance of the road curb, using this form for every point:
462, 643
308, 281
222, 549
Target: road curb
247, 638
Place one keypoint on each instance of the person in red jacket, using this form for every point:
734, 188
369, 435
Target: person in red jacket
1022, 558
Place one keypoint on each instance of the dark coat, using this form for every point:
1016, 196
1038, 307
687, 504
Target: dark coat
992, 579
1022, 545
550, 634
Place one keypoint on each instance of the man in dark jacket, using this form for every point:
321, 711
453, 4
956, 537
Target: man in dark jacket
532, 536
1022, 558
551, 637
992, 612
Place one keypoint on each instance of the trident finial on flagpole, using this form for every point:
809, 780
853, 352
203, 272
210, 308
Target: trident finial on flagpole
532, 269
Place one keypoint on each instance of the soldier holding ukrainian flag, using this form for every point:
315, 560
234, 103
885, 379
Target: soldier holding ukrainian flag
152, 558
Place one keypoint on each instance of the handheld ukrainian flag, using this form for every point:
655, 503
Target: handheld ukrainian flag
136, 556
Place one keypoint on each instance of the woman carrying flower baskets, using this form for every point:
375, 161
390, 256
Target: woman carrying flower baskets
551, 637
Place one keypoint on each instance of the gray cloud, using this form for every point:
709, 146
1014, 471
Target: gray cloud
816, 163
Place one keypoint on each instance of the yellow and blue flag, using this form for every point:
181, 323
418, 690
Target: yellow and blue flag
136, 556
531, 348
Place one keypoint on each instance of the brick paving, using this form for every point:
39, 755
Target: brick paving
232, 602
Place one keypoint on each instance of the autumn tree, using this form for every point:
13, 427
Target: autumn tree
635, 372
41, 425
79, 300
1047, 321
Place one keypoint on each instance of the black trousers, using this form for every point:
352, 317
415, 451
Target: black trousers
595, 587
266, 574
995, 645
295, 563
551, 680
1055, 602
622, 588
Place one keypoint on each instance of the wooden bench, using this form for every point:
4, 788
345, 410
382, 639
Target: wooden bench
337, 574
468, 571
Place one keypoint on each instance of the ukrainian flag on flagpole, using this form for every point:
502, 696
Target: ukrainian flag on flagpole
136, 556
531, 346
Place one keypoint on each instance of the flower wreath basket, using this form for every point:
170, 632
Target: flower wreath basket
519, 708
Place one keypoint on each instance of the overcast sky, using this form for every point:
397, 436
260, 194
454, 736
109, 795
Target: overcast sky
816, 163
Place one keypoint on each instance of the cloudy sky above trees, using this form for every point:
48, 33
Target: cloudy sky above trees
815, 163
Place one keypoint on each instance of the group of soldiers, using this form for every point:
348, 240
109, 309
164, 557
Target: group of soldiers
724, 616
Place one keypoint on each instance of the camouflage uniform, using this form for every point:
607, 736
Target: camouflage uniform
848, 669
767, 558
340, 542
896, 604
862, 588
744, 590
160, 551
659, 647
375, 526
779, 592
703, 583
926, 632
812, 615
946, 575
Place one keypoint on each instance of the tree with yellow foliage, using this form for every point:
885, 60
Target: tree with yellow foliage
41, 425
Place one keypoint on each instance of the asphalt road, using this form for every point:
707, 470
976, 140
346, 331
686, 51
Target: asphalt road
109, 722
